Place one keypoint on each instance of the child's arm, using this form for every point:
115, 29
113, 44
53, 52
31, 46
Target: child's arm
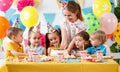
64, 42
71, 45
15, 53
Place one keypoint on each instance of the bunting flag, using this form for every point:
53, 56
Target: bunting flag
9, 13
87, 10
49, 17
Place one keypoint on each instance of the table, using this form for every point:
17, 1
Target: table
108, 66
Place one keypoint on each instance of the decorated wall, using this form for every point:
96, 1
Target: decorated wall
18, 13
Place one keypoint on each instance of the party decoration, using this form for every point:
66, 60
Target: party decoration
9, 13
29, 16
23, 3
37, 3
16, 19
93, 23
117, 34
101, 6
1, 41
108, 22
49, 17
15, 2
5, 4
112, 6
62, 3
87, 10
37, 28
50, 28
4, 25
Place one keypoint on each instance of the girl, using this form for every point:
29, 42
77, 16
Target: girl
33, 41
97, 40
81, 42
73, 16
53, 40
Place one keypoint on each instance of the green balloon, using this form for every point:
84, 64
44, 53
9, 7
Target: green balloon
93, 23
1, 41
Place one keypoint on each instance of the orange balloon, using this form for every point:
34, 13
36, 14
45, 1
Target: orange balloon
4, 25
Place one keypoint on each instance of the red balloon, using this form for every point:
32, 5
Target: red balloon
4, 25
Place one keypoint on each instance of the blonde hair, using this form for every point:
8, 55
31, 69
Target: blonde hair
100, 35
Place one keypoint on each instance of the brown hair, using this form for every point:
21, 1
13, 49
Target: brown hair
13, 31
74, 8
100, 35
85, 37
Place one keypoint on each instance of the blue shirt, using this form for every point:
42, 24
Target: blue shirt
93, 50
38, 50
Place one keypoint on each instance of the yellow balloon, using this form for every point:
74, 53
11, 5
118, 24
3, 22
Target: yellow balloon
101, 6
29, 16
117, 34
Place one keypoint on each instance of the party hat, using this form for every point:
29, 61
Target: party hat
37, 28
16, 24
50, 28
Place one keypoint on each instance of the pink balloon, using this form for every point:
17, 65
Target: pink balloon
108, 22
5, 4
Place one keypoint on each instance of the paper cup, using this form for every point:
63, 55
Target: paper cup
83, 55
99, 55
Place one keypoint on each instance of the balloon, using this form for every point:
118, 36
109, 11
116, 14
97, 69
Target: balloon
108, 23
29, 16
4, 25
1, 41
93, 23
23, 3
13, 20
5, 4
101, 6
117, 34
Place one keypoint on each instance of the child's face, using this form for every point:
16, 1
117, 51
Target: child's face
54, 39
79, 42
34, 38
19, 37
71, 17
94, 41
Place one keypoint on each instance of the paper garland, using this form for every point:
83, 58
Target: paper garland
49, 17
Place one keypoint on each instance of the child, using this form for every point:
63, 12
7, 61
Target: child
33, 41
97, 40
73, 16
14, 47
53, 40
81, 42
